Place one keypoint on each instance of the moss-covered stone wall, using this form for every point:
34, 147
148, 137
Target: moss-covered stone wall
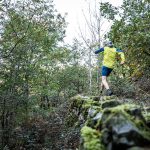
108, 124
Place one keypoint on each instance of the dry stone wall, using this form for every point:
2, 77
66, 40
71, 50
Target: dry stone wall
109, 124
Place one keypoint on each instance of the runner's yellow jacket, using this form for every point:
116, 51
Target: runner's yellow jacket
110, 56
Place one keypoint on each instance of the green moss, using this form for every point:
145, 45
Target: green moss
98, 124
95, 98
86, 106
81, 101
147, 117
126, 113
123, 110
105, 98
145, 131
110, 103
136, 148
126, 107
91, 139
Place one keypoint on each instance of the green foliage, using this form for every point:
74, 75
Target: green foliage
108, 10
71, 120
121, 83
36, 73
131, 33
29, 54
122, 87
72, 80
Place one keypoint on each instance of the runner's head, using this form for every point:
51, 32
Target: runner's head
109, 44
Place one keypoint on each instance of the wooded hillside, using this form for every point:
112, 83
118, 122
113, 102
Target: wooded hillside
39, 72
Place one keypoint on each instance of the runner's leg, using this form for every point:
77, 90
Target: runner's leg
104, 82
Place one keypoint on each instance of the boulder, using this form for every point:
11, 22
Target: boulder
121, 130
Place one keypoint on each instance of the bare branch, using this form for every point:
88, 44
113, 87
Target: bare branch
84, 39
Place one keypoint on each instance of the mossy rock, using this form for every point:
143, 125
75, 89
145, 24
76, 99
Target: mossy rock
110, 103
132, 112
93, 110
94, 121
78, 100
147, 118
106, 98
138, 148
81, 104
95, 98
97, 108
91, 139
121, 129
112, 125
92, 102
147, 109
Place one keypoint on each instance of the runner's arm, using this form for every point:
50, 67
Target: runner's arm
121, 54
100, 50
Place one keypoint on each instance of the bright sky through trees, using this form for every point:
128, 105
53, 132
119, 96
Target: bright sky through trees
75, 17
